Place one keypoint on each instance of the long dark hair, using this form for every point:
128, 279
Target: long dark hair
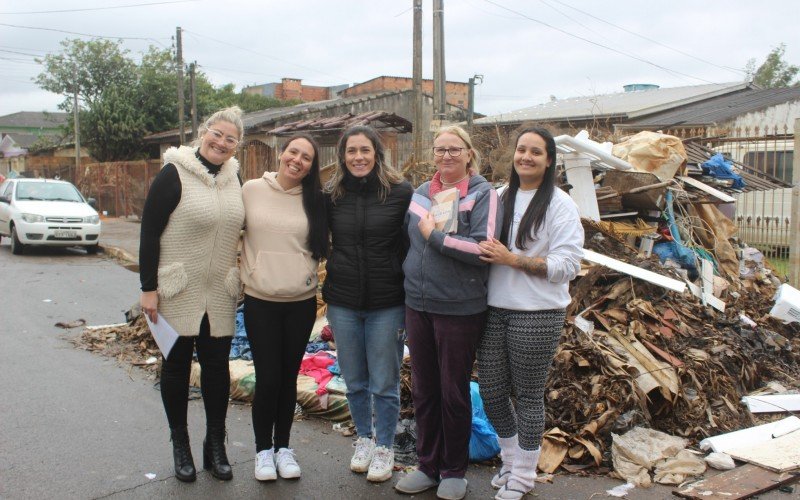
313, 201
387, 175
534, 215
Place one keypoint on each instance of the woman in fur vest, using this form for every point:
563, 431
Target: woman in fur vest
191, 223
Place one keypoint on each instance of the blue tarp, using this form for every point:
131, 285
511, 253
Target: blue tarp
718, 166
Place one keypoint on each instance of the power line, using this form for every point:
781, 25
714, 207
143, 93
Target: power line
734, 70
20, 53
96, 8
612, 49
82, 34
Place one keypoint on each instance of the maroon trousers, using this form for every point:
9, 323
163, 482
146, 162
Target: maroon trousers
442, 351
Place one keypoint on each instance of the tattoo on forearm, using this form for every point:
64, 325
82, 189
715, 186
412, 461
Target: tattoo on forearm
536, 266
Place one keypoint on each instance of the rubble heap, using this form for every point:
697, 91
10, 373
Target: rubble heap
657, 358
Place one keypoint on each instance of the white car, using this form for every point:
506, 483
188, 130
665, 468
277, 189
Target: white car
47, 212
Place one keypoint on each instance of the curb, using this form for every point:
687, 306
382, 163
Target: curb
119, 254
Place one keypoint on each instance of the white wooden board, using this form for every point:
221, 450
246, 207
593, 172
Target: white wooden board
636, 272
780, 454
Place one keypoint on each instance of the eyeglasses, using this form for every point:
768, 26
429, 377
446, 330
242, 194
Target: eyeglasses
454, 152
230, 140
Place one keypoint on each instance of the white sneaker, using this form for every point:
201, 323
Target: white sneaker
362, 457
380, 469
286, 464
265, 465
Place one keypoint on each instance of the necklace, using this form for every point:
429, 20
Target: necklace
451, 184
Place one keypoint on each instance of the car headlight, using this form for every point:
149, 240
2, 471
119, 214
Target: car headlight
92, 219
31, 218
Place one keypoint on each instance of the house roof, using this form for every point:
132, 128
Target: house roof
624, 105
379, 120
267, 117
33, 119
717, 109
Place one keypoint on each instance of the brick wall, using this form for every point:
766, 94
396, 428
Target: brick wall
457, 92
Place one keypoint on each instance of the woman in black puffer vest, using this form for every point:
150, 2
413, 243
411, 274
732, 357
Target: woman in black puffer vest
364, 290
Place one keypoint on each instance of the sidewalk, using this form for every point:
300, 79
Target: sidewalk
119, 238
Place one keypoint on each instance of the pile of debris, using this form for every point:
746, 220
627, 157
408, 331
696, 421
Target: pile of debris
130, 343
655, 357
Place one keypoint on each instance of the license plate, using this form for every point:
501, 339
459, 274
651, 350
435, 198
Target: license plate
64, 233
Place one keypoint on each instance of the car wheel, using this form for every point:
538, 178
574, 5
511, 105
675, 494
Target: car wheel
17, 247
92, 249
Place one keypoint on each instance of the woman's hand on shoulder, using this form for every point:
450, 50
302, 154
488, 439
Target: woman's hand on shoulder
494, 252
149, 303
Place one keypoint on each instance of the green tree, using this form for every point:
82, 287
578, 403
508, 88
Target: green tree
115, 125
90, 66
774, 71
122, 101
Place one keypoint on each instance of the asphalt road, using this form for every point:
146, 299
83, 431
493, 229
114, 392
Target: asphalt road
77, 425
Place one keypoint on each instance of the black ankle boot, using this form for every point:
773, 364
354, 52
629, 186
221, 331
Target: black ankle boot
214, 457
182, 455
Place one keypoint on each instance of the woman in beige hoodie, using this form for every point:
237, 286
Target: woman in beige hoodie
285, 235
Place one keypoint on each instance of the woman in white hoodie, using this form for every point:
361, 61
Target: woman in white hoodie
539, 252
285, 235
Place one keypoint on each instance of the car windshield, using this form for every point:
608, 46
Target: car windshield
48, 191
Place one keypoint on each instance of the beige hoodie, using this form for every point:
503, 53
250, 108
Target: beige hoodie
276, 261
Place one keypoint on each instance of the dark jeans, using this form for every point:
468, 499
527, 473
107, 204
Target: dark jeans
215, 377
442, 354
278, 333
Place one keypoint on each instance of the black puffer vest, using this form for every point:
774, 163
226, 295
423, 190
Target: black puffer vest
365, 267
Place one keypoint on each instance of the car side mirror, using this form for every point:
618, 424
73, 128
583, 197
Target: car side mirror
4, 199
92, 203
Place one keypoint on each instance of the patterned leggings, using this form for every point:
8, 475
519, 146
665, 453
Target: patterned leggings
516, 351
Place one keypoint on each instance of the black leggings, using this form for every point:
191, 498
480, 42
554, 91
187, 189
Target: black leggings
215, 377
278, 333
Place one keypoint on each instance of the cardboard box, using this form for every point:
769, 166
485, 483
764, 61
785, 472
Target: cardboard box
787, 304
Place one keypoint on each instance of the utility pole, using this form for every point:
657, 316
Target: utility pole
417, 78
193, 98
794, 234
179, 45
471, 100
439, 80
77, 127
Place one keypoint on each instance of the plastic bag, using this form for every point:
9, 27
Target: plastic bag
483, 444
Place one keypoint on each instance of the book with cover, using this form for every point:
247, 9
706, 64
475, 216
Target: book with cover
444, 208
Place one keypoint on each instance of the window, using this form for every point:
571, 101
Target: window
775, 163
8, 189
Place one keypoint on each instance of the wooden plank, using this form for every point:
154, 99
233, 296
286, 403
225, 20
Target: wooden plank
708, 189
780, 454
739, 483
636, 272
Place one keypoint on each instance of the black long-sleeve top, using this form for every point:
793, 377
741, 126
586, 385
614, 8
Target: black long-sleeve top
161, 201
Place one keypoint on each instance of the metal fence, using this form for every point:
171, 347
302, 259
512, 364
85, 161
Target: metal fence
763, 217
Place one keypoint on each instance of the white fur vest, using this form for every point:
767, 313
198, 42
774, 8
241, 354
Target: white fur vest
197, 272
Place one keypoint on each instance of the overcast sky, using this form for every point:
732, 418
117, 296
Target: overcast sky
527, 50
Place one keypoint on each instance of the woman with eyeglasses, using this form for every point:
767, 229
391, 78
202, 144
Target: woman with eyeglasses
445, 283
285, 236
367, 202
191, 222
538, 253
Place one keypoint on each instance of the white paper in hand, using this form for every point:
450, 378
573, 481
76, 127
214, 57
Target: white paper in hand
163, 333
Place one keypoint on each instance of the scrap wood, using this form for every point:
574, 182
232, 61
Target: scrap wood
779, 455
742, 482
651, 373
635, 271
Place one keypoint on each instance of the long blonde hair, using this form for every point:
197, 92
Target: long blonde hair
474, 164
387, 175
